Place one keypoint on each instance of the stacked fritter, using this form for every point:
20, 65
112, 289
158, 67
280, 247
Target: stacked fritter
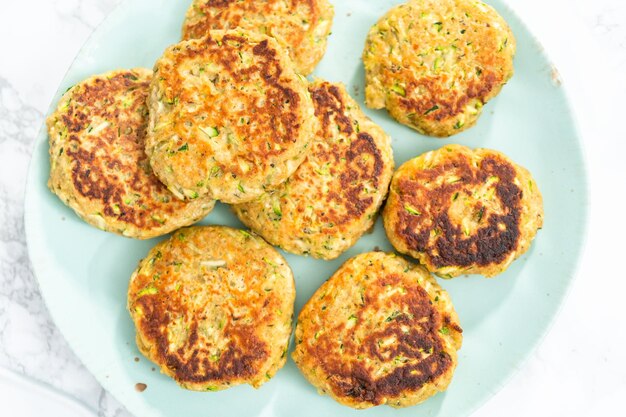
229, 117
300, 27
225, 115
98, 164
334, 196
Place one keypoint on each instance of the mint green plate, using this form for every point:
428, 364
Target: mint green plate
83, 272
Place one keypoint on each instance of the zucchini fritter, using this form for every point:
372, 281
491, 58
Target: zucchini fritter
379, 331
98, 165
462, 211
213, 308
229, 117
434, 63
334, 196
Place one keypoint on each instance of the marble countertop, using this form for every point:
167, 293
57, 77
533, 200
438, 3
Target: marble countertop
578, 370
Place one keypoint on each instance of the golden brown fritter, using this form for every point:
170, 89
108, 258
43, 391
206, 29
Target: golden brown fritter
301, 27
98, 166
213, 308
379, 331
434, 63
460, 211
334, 196
229, 117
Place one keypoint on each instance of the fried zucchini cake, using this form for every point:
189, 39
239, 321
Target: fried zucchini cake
379, 331
229, 117
462, 211
213, 308
334, 196
300, 27
434, 63
98, 166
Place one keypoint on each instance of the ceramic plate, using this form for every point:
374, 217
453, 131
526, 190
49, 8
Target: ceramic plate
83, 272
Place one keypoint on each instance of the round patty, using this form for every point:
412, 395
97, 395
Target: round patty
213, 308
228, 117
334, 196
434, 63
379, 331
301, 27
462, 211
98, 166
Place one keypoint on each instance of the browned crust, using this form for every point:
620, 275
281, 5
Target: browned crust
329, 106
449, 103
191, 363
490, 244
354, 379
280, 113
95, 173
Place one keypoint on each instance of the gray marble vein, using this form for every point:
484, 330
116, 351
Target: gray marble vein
30, 343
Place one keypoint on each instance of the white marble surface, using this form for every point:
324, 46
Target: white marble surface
18, 393
578, 370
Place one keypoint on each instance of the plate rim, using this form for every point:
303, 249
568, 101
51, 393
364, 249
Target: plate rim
518, 366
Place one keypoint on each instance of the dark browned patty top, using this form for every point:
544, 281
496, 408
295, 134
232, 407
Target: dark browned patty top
491, 242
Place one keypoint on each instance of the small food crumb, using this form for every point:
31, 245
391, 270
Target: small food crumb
556, 77
140, 387
153, 369
377, 249
136, 359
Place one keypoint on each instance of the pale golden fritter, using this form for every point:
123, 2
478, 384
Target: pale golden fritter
213, 308
98, 166
379, 331
229, 117
301, 27
434, 63
462, 211
334, 196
